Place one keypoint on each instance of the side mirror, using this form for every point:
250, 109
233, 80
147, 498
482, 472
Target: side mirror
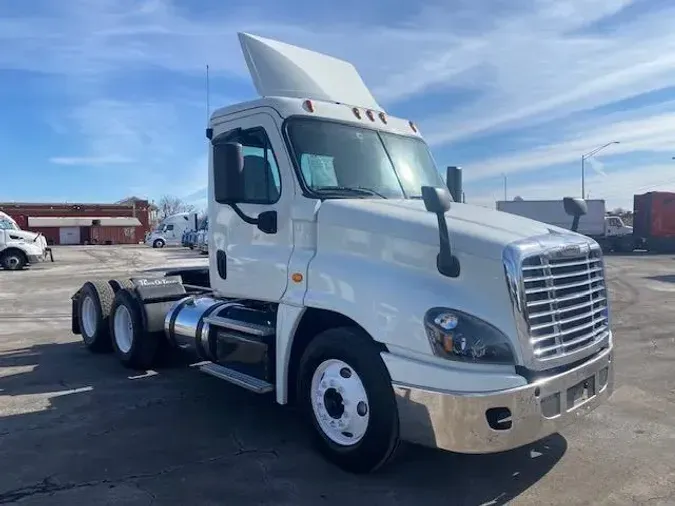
438, 201
228, 185
576, 208
228, 172
267, 222
453, 180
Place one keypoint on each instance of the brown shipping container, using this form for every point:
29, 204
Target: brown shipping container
113, 235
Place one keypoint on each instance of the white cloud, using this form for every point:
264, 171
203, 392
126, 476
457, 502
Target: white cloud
654, 134
91, 161
522, 62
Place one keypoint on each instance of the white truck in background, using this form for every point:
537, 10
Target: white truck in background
343, 279
609, 231
19, 248
169, 231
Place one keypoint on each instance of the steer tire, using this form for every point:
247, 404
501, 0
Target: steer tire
100, 295
381, 438
134, 346
13, 260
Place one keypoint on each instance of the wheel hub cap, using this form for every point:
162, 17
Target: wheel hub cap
339, 402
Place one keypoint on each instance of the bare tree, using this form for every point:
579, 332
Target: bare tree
170, 204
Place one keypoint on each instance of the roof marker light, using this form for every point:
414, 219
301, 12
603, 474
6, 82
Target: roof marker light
356, 112
412, 125
370, 115
308, 105
383, 118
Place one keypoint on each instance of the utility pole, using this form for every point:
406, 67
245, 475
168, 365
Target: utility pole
505, 193
583, 166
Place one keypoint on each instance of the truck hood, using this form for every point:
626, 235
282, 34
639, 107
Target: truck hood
24, 235
473, 230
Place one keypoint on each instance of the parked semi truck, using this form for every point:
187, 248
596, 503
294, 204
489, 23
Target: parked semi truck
609, 232
169, 232
19, 248
343, 279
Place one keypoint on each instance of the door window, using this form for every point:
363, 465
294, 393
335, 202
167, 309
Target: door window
262, 182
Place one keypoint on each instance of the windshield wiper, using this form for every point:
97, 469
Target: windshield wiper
355, 190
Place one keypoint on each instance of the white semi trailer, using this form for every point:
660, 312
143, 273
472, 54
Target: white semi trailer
343, 279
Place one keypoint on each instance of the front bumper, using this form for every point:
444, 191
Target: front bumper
42, 257
479, 422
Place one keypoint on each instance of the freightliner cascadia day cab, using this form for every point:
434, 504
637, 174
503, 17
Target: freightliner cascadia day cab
343, 279
19, 248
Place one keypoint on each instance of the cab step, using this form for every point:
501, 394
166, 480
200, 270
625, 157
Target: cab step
253, 329
238, 378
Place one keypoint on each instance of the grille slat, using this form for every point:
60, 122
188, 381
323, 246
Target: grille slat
562, 264
561, 276
567, 298
585, 282
566, 306
540, 314
572, 319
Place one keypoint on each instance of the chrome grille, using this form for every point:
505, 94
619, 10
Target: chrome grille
565, 303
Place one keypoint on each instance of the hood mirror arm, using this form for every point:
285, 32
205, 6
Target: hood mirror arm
576, 208
437, 201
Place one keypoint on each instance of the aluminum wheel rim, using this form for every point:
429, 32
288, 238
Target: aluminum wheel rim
339, 402
89, 316
124, 329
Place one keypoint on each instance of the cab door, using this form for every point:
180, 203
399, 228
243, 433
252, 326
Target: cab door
245, 261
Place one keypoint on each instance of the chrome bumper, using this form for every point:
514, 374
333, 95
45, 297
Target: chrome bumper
497, 421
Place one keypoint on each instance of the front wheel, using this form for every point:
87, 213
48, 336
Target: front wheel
13, 260
345, 393
159, 243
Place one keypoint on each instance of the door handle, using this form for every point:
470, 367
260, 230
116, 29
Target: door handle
221, 263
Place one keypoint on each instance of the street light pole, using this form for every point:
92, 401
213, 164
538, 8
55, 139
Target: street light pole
583, 166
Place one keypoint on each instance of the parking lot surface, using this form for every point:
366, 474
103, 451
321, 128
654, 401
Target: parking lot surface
77, 428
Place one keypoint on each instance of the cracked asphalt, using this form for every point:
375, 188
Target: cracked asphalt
77, 428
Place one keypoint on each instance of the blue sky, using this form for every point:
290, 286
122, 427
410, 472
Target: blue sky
105, 99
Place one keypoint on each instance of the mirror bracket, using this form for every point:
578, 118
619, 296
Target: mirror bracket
438, 201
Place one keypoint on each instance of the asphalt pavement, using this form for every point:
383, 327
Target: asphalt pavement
78, 428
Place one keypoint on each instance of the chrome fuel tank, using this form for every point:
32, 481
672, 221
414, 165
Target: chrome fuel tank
185, 327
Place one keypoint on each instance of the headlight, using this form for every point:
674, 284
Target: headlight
459, 336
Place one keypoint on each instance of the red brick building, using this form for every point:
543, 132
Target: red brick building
124, 222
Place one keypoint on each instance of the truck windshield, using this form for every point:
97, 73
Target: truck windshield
338, 160
6, 224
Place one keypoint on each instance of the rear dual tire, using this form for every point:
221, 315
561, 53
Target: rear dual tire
134, 347
345, 394
110, 320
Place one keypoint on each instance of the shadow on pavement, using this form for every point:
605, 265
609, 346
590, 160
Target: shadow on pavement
80, 428
664, 278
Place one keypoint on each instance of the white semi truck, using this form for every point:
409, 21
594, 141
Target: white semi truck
19, 248
343, 279
169, 232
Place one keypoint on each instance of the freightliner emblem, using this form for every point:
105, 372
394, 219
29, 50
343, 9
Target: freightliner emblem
571, 250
